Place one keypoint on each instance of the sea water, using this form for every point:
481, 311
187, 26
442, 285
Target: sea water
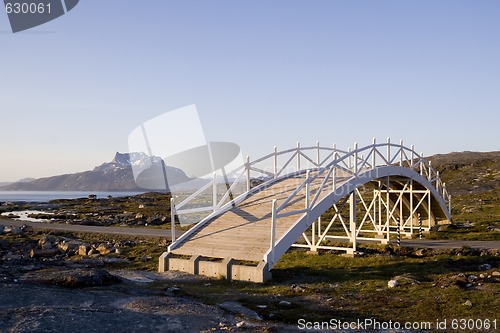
46, 196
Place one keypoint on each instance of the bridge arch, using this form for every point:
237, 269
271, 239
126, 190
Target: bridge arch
309, 217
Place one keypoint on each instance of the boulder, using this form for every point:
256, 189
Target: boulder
47, 242
83, 249
495, 274
285, 304
75, 278
468, 303
459, 280
421, 253
44, 253
484, 267
105, 248
69, 246
16, 230
392, 283
146, 258
238, 309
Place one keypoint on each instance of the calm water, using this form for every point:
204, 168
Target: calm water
45, 196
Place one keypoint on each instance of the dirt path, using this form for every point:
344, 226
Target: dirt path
147, 232
165, 233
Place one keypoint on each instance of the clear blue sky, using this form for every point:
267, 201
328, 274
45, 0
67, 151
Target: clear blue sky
261, 73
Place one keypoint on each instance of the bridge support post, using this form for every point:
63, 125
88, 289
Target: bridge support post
172, 219
352, 218
193, 267
163, 262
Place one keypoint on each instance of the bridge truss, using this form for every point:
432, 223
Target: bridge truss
310, 197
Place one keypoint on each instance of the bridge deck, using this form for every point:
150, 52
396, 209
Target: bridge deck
243, 233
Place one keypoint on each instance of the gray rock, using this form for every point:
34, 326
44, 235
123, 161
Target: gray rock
75, 278
421, 252
146, 258
285, 304
484, 267
44, 253
116, 261
16, 230
392, 283
245, 324
69, 246
238, 309
47, 242
297, 289
105, 248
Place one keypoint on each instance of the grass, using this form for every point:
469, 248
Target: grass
356, 288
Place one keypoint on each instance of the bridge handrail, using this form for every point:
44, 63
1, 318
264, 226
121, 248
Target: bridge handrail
425, 169
339, 157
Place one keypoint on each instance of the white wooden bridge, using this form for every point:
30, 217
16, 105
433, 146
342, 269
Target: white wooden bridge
368, 194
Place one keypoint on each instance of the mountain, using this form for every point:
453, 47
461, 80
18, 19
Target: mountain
116, 175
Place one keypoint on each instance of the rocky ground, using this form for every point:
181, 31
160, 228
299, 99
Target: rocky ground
148, 209
54, 283
63, 281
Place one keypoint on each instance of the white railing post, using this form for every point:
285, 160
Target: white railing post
430, 172
444, 191
421, 164
172, 219
273, 230
352, 219
437, 181
388, 151
401, 154
412, 156
298, 156
214, 192
308, 190
349, 158
275, 162
374, 142
317, 154
334, 171
334, 177
355, 156
248, 173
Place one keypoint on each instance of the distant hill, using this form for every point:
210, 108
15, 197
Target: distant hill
473, 180
469, 172
116, 175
